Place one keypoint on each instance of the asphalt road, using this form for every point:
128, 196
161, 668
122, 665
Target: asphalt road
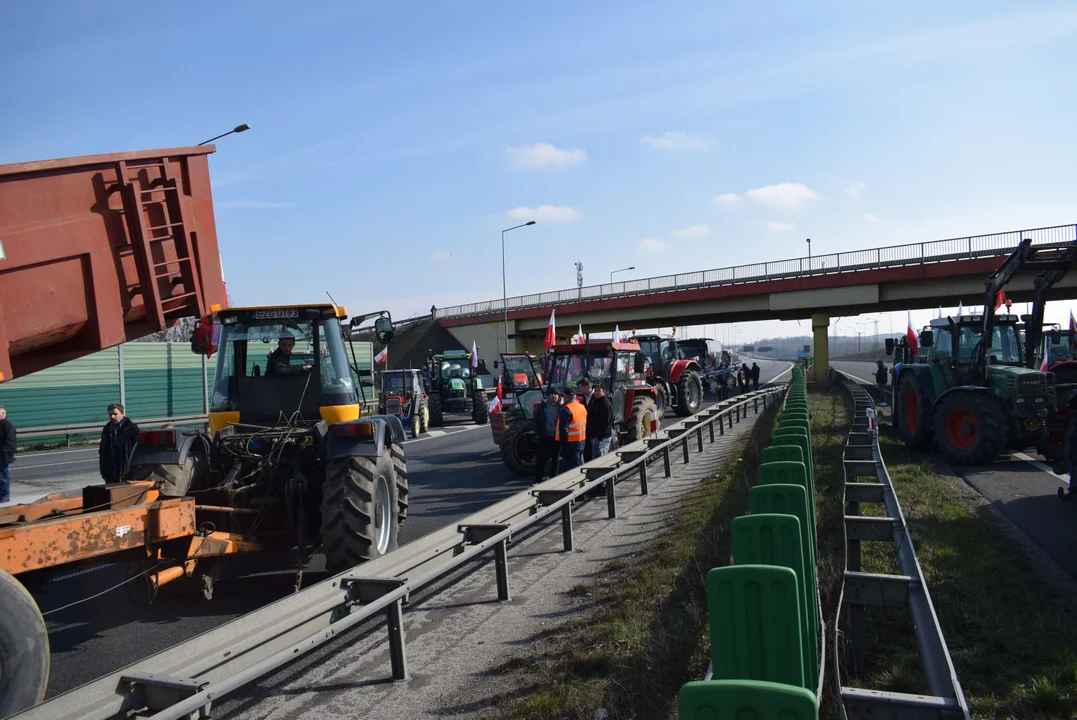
451, 476
1019, 486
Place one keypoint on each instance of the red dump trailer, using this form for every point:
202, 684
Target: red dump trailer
102, 249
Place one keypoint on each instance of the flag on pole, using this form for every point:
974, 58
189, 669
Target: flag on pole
960, 308
474, 355
1001, 300
1043, 365
911, 339
551, 332
1073, 325
382, 356
939, 316
616, 333
579, 336
495, 404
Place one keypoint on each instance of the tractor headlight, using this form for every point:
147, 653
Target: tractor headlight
1033, 424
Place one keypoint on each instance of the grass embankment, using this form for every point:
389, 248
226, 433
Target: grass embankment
1011, 633
644, 632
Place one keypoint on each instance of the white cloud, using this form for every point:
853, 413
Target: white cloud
780, 226
783, 195
857, 189
675, 140
727, 199
692, 231
652, 245
544, 155
868, 217
254, 204
438, 256
545, 213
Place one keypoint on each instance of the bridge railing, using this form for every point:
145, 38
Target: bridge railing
964, 248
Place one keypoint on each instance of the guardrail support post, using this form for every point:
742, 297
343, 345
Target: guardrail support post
643, 478
755, 404
710, 426
699, 439
684, 447
549, 497
611, 496
665, 461
368, 590
478, 534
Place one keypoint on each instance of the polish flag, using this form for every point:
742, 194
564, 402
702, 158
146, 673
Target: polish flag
1043, 365
382, 356
616, 333
911, 339
496, 403
550, 332
474, 355
960, 308
579, 335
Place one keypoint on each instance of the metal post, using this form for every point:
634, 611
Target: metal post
205, 387
501, 562
611, 496
504, 291
123, 383
710, 426
755, 404
643, 490
397, 655
699, 439
665, 460
566, 526
684, 445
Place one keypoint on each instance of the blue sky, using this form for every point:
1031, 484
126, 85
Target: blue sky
392, 142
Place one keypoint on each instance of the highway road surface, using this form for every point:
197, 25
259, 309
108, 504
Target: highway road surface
1019, 485
452, 474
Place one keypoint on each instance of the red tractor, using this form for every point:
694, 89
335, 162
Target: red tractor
674, 372
620, 367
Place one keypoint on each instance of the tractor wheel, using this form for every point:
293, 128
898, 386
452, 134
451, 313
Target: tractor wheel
661, 400
689, 394
638, 422
425, 414
480, 411
400, 469
176, 480
436, 414
359, 510
969, 428
519, 449
24, 648
416, 426
914, 414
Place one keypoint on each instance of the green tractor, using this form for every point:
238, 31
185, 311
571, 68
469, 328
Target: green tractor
968, 390
455, 387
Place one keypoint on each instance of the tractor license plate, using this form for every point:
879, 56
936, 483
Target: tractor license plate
276, 314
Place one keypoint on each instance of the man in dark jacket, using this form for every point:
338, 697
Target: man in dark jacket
600, 422
280, 360
880, 378
755, 376
7, 455
545, 423
584, 394
118, 440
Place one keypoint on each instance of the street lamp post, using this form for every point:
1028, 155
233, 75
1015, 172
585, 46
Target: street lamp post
237, 129
504, 286
621, 270
808, 240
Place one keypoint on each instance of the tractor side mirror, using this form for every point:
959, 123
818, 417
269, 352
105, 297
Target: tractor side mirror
640, 365
889, 346
383, 330
497, 363
1056, 336
927, 338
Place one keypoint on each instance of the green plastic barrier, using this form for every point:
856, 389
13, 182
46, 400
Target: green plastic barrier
796, 422
783, 453
745, 700
755, 624
790, 473
773, 539
793, 500
798, 437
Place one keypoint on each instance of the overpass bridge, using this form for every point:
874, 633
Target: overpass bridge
894, 278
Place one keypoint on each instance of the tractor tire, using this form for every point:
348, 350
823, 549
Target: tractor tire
359, 510
913, 413
176, 480
519, 449
689, 394
425, 415
661, 400
638, 422
400, 468
24, 648
969, 428
480, 410
437, 416
416, 426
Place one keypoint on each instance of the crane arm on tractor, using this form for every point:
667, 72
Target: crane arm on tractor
1058, 267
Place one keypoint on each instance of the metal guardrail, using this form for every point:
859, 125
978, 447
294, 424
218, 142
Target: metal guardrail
862, 459
184, 680
964, 248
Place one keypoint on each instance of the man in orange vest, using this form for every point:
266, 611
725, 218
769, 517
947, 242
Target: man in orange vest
571, 430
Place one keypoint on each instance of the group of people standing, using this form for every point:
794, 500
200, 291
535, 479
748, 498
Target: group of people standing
744, 379
573, 426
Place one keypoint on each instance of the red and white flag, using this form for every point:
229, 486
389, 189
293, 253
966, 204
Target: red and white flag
911, 339
1046, 349
474, 355
496, 404
960, 308
382, 356
551, 332
579, 336
616, 333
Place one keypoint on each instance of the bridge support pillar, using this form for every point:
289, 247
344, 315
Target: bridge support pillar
819, 325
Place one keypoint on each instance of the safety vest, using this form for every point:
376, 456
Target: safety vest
577, 427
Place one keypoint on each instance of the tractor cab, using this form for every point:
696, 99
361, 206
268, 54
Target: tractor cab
1061, 347
284, 362
521, 378
403, 395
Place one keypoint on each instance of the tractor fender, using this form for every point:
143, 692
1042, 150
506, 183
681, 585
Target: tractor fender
959, 389
388, 428
680, 367
186, 439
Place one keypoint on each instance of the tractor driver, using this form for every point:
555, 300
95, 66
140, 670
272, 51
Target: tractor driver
280, 360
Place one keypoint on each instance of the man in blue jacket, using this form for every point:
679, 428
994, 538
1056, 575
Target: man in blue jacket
545, 422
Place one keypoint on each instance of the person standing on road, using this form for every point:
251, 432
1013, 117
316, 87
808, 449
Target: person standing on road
7, 454
118, 440
546, 430
755, 376
880, 378
600, 422
571, 431
584, 393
